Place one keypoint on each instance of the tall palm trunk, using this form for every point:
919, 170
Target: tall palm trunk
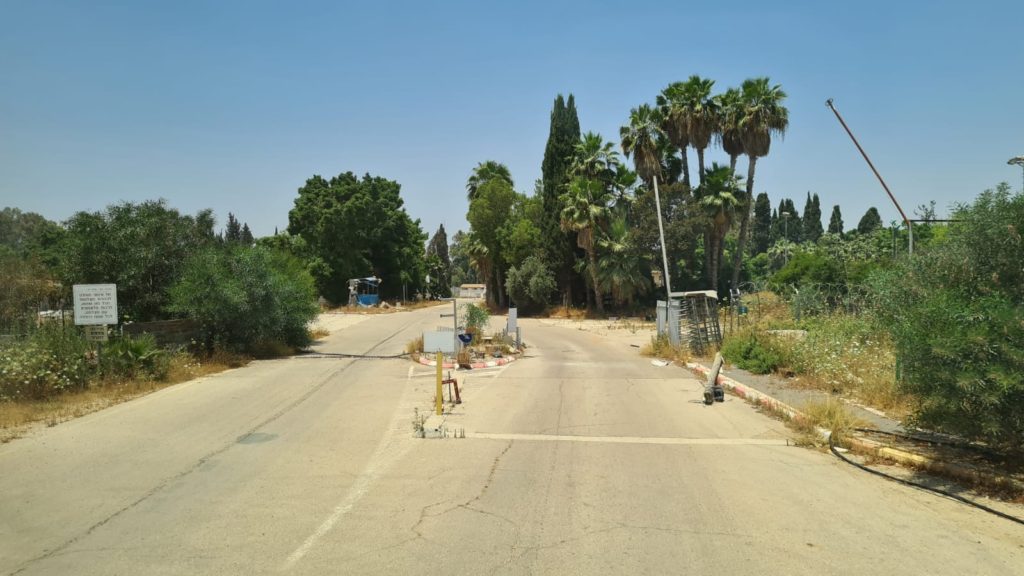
737, 258
713, 261
592, 256
686, 166
700, 164
732, 161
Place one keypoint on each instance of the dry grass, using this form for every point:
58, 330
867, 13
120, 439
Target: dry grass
660, 347
17, 418
567, 313
831, 415
414, 346
319, 333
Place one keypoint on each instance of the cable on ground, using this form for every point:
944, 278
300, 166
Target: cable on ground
957, 497
355, 356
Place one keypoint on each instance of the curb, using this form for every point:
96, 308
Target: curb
861, 445
474, 365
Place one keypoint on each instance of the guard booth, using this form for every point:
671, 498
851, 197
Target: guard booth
364, 291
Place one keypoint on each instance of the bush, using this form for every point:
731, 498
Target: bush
245, 298
53, 361
531, 284
759, 354
129, 357
956, 314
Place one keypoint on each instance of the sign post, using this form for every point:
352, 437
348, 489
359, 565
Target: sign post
438, 400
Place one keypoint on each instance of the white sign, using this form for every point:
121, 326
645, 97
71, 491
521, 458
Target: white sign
513, 316
95, 304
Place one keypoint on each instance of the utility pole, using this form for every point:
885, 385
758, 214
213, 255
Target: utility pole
910, 227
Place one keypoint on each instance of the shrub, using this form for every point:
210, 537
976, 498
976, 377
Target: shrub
475, 318
759, 354
246, 297
129, 357
531, 284
956, 314
53, 361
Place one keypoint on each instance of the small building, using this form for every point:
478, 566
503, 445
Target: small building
472, 291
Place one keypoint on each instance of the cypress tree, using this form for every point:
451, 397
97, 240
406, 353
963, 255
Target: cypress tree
812, 229
835, 223
762, 224
246, 236
870, 222
233, 230
788, 227
562, 138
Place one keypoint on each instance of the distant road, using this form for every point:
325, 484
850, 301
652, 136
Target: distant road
582, 458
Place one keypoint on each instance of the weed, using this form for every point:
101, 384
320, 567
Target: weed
758, 353
414, 346
661, 347
830, 415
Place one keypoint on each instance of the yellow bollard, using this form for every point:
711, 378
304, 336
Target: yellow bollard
440, 360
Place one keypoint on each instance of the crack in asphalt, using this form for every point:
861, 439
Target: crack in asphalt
198, 464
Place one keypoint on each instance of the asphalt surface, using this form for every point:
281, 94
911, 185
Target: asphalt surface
581, 458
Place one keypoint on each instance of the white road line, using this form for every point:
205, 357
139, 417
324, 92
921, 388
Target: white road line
390, 449
634, 439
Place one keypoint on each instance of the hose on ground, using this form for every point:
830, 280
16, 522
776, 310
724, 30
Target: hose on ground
957, 497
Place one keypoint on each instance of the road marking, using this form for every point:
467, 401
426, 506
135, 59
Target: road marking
633, 439
391, 449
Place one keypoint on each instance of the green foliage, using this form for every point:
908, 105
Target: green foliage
356, 228
531, 284
812, 229
29, 236
956, 314
140, 247
246, 296
475, 318
133, 357
810, 267
870, 221
26, 283
521, 234
439, 265
755, 353
762, 224
563, 135
835, 222
462, 271
489, 212
52, 361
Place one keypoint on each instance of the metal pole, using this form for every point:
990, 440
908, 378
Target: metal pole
437, 401
661, 235
877, 175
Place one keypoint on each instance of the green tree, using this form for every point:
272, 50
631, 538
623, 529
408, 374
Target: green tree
245, 298
439, 264
718, 196
358, 228
488, 214
594, 159
763, 117
586, 209
140, 247
701, 112
640, 140
812, 229
674, 123
762, 224
232, 230
956, 314
530, 284
245, 237
835, 223
520, 236
559, 152
730, 112
31, 236
621, 265
462, 271
870, 221
485, 172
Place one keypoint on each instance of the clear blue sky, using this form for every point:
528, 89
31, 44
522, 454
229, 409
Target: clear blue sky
232, 105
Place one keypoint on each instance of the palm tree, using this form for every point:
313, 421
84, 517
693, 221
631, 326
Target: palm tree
763, 116
586, 208
620, 270
673, 122
718, 199
485, 172
480, 258
701, 113
640, 139
594, 158
730, 112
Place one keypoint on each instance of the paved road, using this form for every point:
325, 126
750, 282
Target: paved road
580, 459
